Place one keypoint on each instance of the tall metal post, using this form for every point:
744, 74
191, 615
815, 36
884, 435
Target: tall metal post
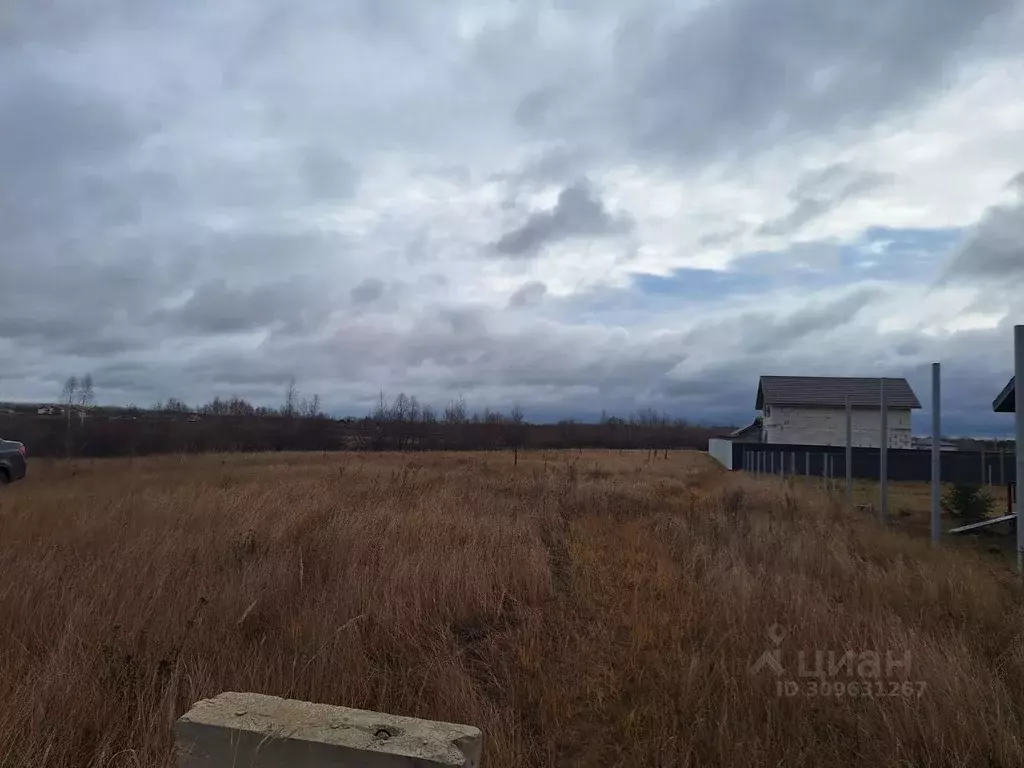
1018, 348
936, 450
849, 452
883, 469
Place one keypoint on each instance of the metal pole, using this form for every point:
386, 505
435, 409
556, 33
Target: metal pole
1018, 346
849, 452
936, 450
983, 462
807, 458
883, 469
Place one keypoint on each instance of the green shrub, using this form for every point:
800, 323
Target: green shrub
969, 503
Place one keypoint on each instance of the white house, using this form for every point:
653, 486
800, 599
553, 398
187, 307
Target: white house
811, 410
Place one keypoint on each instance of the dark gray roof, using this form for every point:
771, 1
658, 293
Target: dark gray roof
1007, 400
827, 391
750, 428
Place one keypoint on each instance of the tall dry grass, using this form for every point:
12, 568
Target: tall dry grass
596, 610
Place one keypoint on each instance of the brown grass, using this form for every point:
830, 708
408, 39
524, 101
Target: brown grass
600, 609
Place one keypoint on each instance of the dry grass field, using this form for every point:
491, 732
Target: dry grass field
594, 609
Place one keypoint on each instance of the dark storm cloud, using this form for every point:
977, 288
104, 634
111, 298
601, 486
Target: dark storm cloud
743, 74
818, 194
579, 212
994, 251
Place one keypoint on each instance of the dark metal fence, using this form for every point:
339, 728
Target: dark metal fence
968, 467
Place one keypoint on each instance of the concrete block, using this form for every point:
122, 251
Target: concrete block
249, 730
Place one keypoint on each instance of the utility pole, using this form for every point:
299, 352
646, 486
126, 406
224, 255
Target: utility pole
883, 470
1018, 348
936, 450
849, 452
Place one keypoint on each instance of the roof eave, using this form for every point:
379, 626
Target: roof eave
1001, 403
856, 406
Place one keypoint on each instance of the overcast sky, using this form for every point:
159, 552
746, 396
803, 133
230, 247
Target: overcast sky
575, 206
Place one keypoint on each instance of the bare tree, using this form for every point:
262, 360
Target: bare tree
313, 407
291, 399
380, 411
68, 397
70, 392
401, 409
174, 405
86, 396
516, 415
515, 432
455, 412
86, 392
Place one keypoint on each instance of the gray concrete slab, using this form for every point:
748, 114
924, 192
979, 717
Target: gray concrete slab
249, 730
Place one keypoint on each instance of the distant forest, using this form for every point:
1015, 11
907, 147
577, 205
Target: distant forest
77, 427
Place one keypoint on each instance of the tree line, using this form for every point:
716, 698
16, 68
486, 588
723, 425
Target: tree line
403, 423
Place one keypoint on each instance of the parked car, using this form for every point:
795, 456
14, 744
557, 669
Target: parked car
13, 463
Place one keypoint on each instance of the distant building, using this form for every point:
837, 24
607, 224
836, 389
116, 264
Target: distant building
925, 444
811, 410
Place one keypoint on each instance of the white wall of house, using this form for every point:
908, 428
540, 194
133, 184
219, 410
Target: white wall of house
827, 426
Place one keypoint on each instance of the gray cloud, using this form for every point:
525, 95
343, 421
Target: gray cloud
579, 212
528, 294
182, 181
994, 251
819, 193
368, 291
767, 332
293, 306
745, 74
